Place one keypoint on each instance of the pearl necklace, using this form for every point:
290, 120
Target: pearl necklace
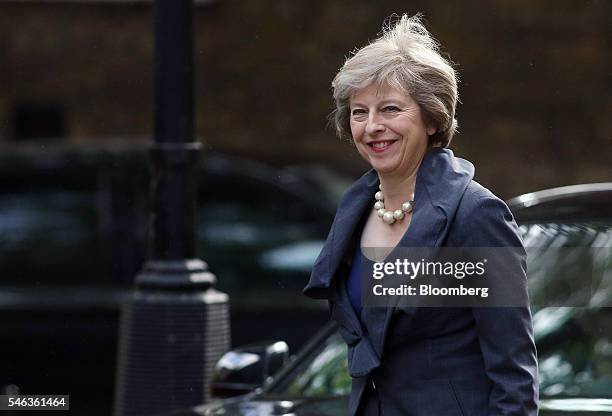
389, 217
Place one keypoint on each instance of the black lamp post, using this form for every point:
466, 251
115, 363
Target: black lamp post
175, 326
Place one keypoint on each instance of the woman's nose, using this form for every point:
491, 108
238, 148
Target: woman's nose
374, 124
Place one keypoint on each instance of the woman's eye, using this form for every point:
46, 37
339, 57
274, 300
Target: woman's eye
358, 112
391, 109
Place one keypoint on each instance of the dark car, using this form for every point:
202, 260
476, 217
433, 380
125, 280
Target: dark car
574, 343
73, 224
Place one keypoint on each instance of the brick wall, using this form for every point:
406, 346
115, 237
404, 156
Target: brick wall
536, 78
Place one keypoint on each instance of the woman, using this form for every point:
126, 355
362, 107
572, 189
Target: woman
396, 99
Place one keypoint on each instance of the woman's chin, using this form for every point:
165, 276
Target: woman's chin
384, 169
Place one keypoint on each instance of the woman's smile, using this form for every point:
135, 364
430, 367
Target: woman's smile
382, 146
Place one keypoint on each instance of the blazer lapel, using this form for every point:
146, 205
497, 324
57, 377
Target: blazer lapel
351, 210
342, 239
328, 279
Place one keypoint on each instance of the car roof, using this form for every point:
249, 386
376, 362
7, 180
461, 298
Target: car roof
572, 203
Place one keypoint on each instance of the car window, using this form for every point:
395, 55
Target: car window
572, 263
566, 262
323, 373
249, 227
39, 228
579, 364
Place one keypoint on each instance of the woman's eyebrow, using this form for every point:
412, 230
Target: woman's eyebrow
393, 101
382, 103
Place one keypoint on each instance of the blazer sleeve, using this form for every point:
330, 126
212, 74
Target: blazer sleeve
505, 333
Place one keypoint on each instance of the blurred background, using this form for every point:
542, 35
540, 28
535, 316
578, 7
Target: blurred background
535, 79
76, 116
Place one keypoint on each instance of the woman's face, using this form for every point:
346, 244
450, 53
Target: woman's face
388, 130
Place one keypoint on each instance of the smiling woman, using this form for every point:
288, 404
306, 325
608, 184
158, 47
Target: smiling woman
396, 98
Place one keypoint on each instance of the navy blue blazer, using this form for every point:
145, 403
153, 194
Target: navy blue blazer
433, 361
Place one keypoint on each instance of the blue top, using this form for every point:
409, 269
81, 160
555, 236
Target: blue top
353, 284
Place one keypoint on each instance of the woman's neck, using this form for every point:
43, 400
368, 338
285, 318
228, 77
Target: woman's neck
397, 190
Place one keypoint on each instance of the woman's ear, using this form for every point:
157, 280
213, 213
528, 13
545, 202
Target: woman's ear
431, 130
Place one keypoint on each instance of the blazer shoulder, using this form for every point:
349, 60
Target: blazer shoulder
477, 198
483, 219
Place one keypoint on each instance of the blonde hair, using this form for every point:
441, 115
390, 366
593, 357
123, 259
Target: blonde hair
405, 57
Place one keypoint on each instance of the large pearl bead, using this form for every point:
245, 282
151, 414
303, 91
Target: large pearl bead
378, 205
381, 212
388, 217
398, 214
407, 207
378, 195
